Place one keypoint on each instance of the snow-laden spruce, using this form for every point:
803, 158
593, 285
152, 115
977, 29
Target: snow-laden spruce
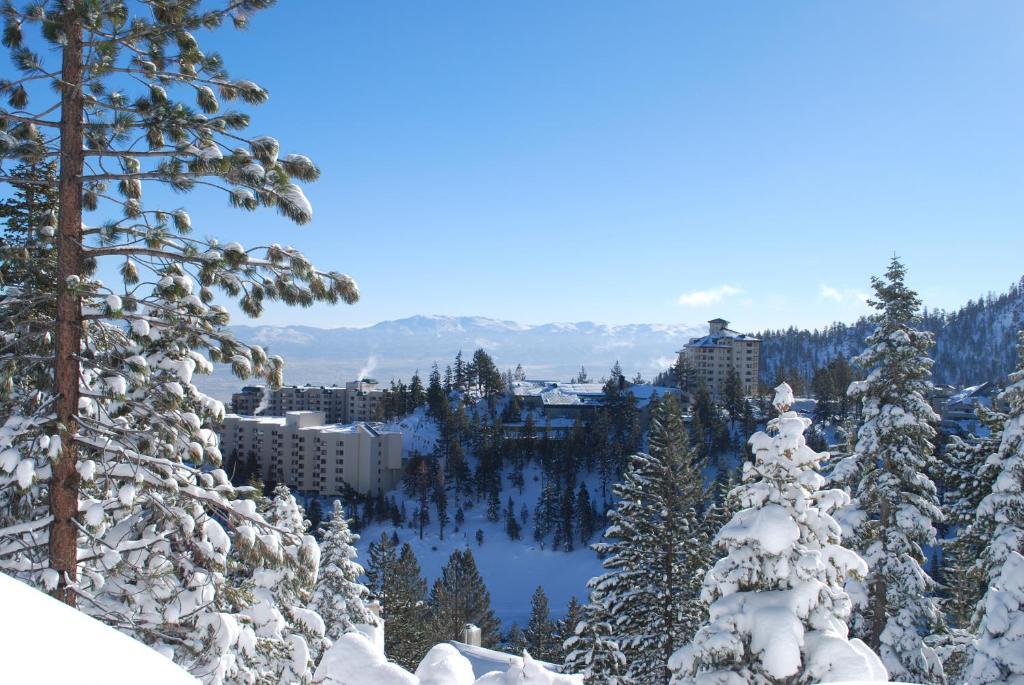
655, 554
112, 495
292, 635
968, 475
778, 608
591, 651
895, 504
999, 649
338, 596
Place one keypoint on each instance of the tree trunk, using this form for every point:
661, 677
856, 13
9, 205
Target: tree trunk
879, 587
65, 482
669, 615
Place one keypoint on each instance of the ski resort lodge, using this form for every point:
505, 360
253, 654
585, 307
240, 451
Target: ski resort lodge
710, 358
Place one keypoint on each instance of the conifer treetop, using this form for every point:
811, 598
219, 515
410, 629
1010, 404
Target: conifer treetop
778, 609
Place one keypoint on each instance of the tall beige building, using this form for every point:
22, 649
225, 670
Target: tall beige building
710, 358
306, 454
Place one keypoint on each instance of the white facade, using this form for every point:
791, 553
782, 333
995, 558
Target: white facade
298, 449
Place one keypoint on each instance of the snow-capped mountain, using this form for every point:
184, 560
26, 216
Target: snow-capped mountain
974, 343
396, 349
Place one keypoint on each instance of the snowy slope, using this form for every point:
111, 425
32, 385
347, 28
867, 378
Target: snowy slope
512, 570
88, 652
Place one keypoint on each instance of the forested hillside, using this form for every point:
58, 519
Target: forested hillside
973, 344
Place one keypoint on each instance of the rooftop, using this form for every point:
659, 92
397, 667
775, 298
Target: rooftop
556, 393
715, 339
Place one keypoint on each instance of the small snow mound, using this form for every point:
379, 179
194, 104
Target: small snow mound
354, 660
443, 665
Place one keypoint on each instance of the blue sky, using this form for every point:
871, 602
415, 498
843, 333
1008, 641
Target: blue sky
642, 161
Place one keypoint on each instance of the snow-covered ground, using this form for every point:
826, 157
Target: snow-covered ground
511, 569
45, 641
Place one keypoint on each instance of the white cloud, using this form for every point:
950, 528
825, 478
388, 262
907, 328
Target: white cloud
846, 296
706, 298
830, 293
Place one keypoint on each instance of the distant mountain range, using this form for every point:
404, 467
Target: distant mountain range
397, 349
975, 343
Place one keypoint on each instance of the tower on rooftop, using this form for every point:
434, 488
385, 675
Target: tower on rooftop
716, 325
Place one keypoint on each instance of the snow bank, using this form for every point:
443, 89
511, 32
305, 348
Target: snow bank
354, 660
36, 627
443, 665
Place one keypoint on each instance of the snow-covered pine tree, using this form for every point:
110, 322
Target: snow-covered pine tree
111, 492
459, 597
895, 504
515, 641
968, 476
540, 631
395, 580
381, 557
653, 548
591, 651
999, 650
565, 627
338, 596
999, 646
409, 636
28, 259
291, 636
778, 608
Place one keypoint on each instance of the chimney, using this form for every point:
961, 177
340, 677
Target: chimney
471, 635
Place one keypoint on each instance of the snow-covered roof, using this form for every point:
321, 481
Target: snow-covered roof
261, 420
530, 388
555, 393
375, 429
90, 652
716, 339
486, 660
555, 396
583, 388
986, 389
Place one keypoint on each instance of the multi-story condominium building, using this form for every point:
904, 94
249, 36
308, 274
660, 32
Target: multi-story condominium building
357, 401
362, 397
300, 450
711, 357
247, 402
